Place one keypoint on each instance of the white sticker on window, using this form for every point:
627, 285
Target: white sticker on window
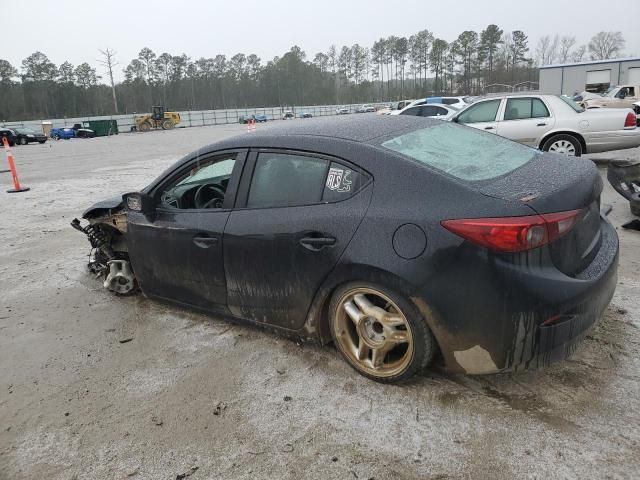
338, 180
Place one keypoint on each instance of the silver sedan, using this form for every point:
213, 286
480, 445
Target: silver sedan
553, 123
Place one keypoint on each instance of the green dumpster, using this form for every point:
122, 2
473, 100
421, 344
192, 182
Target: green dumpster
102, 127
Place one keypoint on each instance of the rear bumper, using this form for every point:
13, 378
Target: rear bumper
616, 140
517, 317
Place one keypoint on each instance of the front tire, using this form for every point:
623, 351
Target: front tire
379, 333
564, 145
23, 141
56, 137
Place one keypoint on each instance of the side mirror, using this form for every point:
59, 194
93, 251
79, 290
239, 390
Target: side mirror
139, 202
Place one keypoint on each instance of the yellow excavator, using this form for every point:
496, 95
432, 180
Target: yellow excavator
157, 119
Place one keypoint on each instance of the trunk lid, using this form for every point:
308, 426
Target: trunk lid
552, 183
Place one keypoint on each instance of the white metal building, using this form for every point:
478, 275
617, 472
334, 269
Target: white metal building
593, 76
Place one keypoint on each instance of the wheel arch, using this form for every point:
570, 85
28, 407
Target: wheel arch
571, 133
317, 322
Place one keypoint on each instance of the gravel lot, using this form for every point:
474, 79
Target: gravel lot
192, 394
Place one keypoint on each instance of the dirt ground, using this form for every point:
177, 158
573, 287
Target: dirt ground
94, 386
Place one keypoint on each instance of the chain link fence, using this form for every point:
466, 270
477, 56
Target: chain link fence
200, 118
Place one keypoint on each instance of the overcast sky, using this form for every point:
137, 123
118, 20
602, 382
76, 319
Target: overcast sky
74, 30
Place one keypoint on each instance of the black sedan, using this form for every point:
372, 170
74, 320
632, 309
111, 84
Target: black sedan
394, 237
9, 135
27, 135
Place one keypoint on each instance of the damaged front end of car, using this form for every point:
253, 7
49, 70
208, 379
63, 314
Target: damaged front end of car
109, 257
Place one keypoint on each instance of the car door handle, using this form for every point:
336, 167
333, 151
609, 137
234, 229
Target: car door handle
316, 242
205, 241
488, 128
541, 125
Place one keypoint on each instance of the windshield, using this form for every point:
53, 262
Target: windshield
25, 131
463, 152
611, 92
577, 108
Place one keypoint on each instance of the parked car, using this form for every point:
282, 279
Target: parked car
10, 136
27, 135
402, 104
84, 133
553, 123
305, 115
63, 133
365, 109
385, 110
259, 118
67, 133
459, 102
342, 111
442, 112
288, 115
487, 251
623, 96
580, 97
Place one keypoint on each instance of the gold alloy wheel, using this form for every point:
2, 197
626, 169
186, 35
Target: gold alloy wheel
373, 333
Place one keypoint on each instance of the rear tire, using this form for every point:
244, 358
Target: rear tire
167, 125
634, 204
564, 145
397, 341
23, 141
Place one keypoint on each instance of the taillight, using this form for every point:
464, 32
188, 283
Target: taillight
514, 234
630, 121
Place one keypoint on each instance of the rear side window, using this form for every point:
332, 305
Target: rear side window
480, 112
465, 153
411, 111
449, 101
521, 108
429, 111
282, 179
341, 183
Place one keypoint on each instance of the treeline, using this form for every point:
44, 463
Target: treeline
393, 68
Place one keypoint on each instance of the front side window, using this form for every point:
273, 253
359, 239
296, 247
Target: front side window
522, 108
202, 186
465, 153
480, 112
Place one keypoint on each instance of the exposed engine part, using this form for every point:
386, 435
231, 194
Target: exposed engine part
108, 259
98, 239
120, 278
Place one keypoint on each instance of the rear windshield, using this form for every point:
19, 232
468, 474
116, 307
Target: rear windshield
572, 104
463, 152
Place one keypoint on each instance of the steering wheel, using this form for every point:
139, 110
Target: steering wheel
202, 200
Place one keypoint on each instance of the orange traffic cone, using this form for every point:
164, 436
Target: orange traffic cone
12, 168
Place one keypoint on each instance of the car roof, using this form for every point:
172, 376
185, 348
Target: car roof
354, 128
535, 93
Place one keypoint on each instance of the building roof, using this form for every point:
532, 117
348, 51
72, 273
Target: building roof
592, 62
